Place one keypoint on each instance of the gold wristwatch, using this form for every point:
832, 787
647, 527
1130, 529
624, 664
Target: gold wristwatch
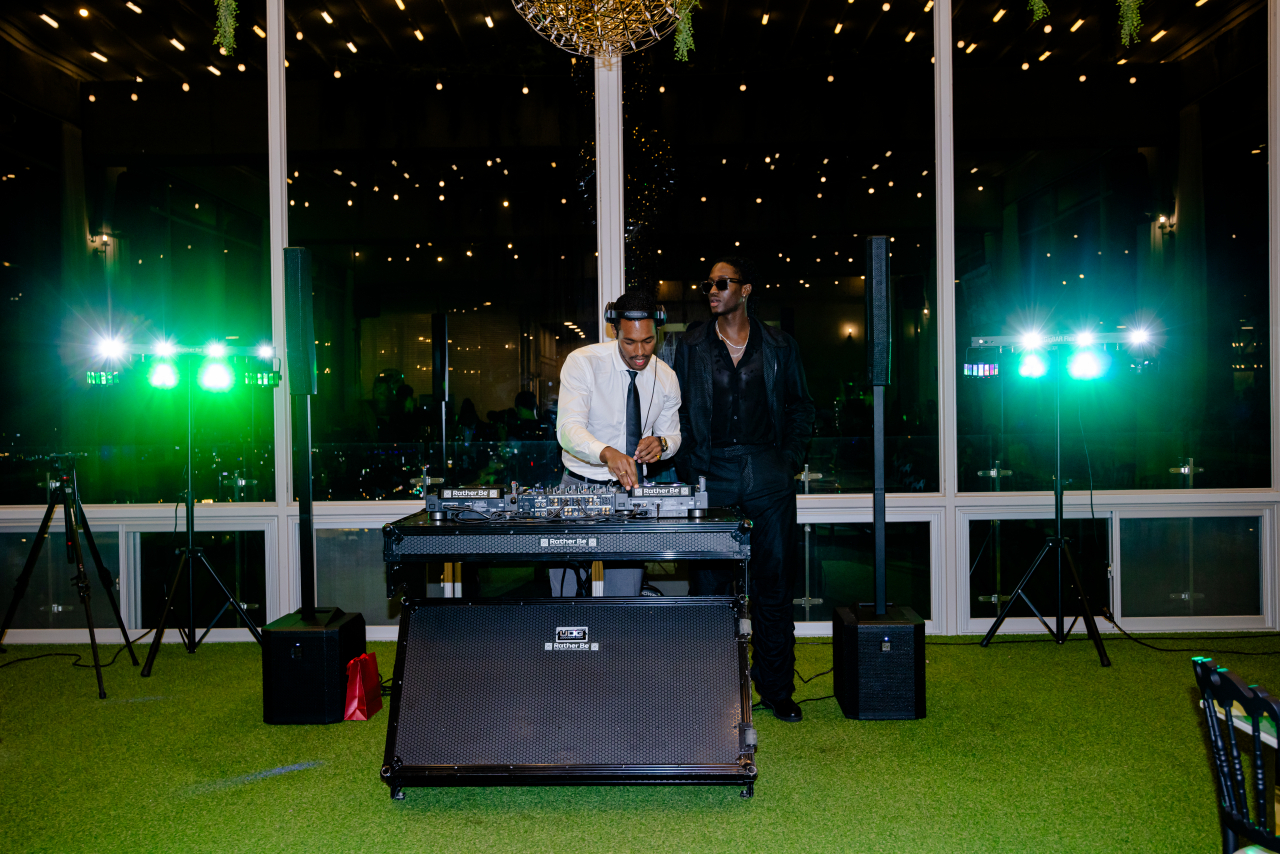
663, 441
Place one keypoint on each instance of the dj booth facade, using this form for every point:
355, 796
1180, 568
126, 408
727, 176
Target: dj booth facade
651, 690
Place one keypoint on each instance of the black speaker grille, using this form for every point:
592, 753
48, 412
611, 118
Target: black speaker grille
886, 686
299, 326
480, 687
879, 313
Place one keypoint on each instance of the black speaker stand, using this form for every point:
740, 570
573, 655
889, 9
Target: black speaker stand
190, 556
66, 492
1060, 546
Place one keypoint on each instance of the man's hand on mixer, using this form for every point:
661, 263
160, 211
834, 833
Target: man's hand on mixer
622, 467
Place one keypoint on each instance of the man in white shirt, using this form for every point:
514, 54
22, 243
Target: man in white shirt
619, 408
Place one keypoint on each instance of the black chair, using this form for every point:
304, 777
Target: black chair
1243, 707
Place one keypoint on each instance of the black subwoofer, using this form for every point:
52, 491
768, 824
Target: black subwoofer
566, 691
304, 666
878, 663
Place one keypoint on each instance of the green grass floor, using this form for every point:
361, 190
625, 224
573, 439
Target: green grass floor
1026, 748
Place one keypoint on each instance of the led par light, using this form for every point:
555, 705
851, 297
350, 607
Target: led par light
163, 375
111, 348
1032, 366
215, 375
1087, 364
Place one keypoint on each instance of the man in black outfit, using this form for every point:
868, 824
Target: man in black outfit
745, 424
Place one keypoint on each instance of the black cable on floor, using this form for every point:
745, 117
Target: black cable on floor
814, 676
77, 655
1107, 617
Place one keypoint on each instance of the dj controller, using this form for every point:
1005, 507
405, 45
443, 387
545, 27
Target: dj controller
502, 504
661, 521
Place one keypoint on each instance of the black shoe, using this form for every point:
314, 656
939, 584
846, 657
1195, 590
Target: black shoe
785, 709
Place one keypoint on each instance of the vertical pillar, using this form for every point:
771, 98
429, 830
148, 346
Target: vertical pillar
948, 617
1270, 585
610, 246
285, 595
1273, 233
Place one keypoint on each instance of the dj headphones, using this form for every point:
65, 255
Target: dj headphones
614, 317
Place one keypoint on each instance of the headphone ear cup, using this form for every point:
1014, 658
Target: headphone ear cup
660, 316
610, 314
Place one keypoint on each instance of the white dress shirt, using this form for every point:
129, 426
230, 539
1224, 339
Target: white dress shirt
593, 406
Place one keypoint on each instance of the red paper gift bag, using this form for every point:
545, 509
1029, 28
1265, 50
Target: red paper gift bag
364, 691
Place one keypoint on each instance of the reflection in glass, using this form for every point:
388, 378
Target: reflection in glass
1207, 566
1124, 191
350, 573
787, 153
238, 557
1002, 550
51, 600
839, 564
454, 260
137, 212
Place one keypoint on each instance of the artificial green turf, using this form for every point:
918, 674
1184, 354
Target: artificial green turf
1026, 748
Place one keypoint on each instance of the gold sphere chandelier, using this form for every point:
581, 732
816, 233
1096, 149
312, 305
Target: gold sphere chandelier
605, 28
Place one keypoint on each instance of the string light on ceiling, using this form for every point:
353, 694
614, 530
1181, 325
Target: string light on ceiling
602, 27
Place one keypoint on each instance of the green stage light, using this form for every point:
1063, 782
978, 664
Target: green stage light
163, 375
111, 348
1087, 365
216, 376
1032, 365
165, 349
266, 351
103, 377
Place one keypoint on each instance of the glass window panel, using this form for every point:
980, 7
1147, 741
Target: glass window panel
1001, 551
1206, 566
839, 561
133, 207
238, 558
454, 251
51, 600
782, 152
350, 573
1114, 190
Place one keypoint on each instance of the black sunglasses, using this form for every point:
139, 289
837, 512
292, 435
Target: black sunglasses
719, 284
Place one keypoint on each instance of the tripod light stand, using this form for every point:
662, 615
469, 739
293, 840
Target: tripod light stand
66, 492
171, 365
1086, 363
193, 554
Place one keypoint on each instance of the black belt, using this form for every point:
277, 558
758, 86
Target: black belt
573, 474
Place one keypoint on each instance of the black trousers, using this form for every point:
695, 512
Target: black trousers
758, 481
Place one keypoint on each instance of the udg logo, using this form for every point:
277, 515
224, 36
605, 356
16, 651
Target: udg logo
571, 637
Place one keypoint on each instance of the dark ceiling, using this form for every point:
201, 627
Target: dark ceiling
136, 38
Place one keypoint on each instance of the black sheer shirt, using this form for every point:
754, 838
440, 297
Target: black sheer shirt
739, 402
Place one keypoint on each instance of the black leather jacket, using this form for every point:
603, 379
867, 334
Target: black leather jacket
789, 401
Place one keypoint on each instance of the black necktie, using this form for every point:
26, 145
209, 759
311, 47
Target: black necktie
633, 416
